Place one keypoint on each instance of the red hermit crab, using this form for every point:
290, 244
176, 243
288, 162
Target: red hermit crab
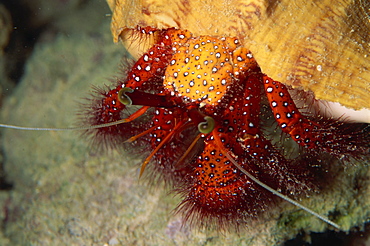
199, 119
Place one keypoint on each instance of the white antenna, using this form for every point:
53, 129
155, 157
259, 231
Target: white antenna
63, 129
249, 175
273, 191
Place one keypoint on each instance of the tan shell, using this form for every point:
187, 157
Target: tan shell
322, 46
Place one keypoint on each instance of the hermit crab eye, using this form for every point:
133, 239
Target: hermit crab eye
207, 126
123, 98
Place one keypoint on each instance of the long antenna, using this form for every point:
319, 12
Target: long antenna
273, 191
62, 129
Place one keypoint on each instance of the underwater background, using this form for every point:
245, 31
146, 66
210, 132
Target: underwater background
58, 190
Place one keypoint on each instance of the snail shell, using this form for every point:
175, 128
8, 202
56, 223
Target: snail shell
319, 46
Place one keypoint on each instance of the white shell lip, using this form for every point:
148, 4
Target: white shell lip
336, 110
308, 105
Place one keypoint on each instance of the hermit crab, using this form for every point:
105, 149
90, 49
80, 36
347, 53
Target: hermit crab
199, 120
314, 64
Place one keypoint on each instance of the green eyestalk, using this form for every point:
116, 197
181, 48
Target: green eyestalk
207, 126
123, 98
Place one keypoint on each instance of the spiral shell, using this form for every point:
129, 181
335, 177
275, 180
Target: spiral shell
319, 46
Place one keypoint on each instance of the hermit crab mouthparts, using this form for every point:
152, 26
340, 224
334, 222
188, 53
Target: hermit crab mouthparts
147, 99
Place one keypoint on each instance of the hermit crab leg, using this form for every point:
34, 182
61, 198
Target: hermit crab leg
330, 135
263, 185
